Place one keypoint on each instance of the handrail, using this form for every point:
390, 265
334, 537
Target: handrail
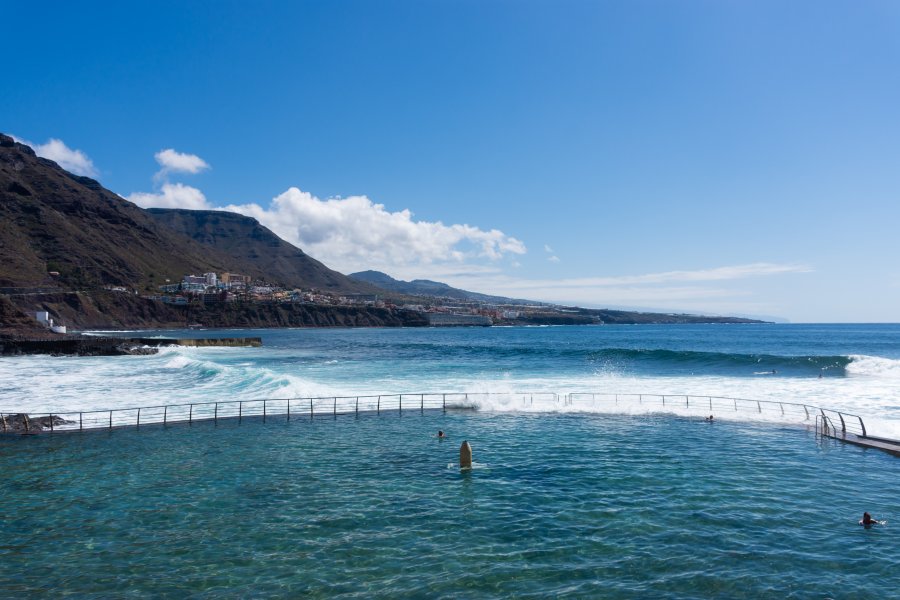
189, 412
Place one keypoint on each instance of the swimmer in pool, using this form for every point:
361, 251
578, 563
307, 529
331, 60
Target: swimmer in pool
709, 418
868, 521
441, 435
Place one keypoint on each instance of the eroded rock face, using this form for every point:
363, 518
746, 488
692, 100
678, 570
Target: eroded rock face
22, 423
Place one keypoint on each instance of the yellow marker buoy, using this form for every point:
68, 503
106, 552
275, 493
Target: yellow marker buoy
465, 456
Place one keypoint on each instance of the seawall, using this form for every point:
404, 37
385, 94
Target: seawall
103, 346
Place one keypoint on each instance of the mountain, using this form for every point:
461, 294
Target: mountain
536, 313
426, 287
53, 221
65, 232
255, 250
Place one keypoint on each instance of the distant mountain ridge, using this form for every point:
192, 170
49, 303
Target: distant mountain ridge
426, 287
538, 313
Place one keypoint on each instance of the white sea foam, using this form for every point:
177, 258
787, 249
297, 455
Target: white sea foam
182, 375
874, 366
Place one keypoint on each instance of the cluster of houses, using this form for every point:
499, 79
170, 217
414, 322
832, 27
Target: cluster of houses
210, 288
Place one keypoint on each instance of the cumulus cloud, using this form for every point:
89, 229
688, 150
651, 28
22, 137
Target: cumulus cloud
172, 195
172, 161
553, 259
548, 249
355, 233
73, 161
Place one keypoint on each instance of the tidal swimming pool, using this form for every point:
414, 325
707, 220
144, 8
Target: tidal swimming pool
374, 506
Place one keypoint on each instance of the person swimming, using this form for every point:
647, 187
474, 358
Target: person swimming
440, 433
709, 418
868, 521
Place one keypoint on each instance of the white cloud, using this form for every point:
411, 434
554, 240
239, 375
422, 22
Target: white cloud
74, 161
715, 274
172, 195
553, 259
354, 233
178, 162
705, 290
548, 249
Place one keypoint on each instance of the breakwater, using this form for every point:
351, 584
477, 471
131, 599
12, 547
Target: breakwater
827, 423
112, 346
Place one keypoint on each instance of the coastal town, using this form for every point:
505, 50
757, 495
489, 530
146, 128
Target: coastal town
213, 288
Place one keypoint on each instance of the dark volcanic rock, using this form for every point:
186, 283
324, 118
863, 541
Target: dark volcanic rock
22, 423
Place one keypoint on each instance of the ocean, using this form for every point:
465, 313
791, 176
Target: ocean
572, 494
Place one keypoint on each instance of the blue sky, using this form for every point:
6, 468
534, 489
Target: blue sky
721, 157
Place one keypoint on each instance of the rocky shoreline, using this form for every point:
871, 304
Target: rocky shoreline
22, 423
108, 346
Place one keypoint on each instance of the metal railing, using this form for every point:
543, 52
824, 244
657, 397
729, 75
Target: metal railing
826, 420
195, 412
832, 423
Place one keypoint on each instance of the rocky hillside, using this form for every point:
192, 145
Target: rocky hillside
255, 250
54, 221
115, 310
426, 287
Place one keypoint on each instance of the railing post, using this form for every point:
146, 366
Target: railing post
240, 412
216, 415
843, 425
444, 402
400, 405
378, 406
710, 403
357, 406
806, 410
310, 408
863, 425
759, 406
289, 410
110, 419
264, 411
191, 415
687, 401
3, 419
165, 414
80, 422
664, 400
782, 407
335, 407
27, 426
735, 403
51, 422
640, 398
422, 403
138, 424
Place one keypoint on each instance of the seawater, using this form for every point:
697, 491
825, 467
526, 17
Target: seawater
859, 367
562, 502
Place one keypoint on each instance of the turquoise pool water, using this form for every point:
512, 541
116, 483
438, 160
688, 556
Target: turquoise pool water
558, 505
